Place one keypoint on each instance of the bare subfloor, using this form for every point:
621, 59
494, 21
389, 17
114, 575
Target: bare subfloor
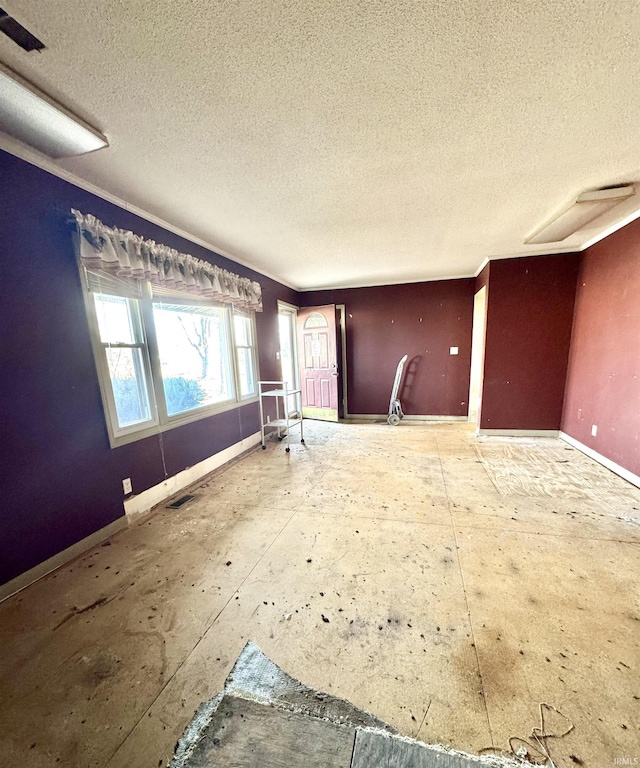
446, 583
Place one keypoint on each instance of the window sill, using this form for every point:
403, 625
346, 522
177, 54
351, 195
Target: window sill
179, 420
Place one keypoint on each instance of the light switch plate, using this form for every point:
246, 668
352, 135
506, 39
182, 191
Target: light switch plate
453, 350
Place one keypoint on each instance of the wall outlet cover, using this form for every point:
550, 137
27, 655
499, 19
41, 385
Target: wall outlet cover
594, 430
453, 350
126, 486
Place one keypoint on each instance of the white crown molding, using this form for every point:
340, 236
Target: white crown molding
465, 276
33, 157
536, 252
377, 284
610, 230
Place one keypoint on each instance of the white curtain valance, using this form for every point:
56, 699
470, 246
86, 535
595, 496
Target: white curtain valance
128, 256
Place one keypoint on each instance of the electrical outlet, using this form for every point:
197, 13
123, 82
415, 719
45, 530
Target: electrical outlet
594, 430
126, 486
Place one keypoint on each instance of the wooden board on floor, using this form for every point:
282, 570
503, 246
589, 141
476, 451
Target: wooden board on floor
244, 734
372, 750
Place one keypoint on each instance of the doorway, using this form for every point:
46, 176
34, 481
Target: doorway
320, 353
477, 354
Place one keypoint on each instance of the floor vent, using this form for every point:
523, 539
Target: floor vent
179, 502
18, 33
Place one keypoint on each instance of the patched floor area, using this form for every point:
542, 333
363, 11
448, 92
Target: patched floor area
446, 583
264, 718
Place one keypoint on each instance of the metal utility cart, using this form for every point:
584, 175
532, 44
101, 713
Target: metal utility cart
290, 417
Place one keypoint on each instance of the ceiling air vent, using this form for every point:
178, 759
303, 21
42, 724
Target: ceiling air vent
19, 34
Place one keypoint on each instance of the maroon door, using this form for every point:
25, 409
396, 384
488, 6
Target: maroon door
318, 362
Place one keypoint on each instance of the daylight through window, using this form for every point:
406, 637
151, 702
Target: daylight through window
164, 361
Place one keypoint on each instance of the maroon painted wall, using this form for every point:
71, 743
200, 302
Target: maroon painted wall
59, 479
529, 316
603, 381
420, 319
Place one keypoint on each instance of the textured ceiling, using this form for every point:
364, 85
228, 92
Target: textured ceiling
344, 143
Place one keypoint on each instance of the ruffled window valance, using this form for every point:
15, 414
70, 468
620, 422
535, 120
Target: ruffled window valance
128, 256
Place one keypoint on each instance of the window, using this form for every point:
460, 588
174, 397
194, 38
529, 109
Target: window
125, 352
287, 319
195, 363
316, 320
166, 359
287, 316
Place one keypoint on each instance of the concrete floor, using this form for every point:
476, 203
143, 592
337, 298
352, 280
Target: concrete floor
446, 583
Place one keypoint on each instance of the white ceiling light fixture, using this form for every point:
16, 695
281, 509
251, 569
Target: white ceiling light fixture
33, 118
587, 208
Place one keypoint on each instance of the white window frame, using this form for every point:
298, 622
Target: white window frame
291, 312
253, 349
160, 420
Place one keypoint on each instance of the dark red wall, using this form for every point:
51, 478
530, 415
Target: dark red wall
419, 319
529, 316
60, 481
603, 381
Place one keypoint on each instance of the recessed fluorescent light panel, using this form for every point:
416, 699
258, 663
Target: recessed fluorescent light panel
587, 208
32, 117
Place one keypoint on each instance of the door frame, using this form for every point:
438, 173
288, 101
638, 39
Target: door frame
291, 310
343, 357
478, 341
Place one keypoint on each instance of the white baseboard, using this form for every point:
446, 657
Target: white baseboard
383, 417
518, 432
619, 470
138, 505
134, 507
42, 569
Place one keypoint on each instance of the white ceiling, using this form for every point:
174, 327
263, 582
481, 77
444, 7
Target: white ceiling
336, 143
